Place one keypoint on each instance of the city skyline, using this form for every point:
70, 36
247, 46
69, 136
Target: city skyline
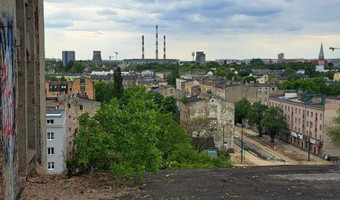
222, 29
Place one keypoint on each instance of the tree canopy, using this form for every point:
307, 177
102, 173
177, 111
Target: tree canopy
273, 122
333, 129
256, 114
241, 110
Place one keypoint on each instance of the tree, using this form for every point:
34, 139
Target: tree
274, 122
241, 110
257, 61
118, 89
169, 105
100, 91
255, 115
333, 130
171, 79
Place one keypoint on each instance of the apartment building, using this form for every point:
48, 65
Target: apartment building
307, 117
56, 140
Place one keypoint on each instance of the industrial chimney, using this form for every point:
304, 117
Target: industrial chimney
164, 47
143, 53
156, 42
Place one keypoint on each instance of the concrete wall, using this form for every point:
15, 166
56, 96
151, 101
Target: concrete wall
23, 114
8, 99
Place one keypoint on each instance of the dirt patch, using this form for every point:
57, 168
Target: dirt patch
98, 186
277, 183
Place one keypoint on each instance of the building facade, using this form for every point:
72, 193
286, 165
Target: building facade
84, 87
200, 58
56, 141
220, 114
74, 107
307, 117
68, 56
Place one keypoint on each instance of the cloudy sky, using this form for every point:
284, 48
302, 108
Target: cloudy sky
221, 28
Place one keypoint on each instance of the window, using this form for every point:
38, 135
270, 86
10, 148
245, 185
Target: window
69, 105
307, 123
295, 120
50, 151
50, 136
50, 165
69, 129
81, 107
50, 121
311, 124
299, 111
295, 110
69, 116
307, 113
53, 93
311, 114
299, 121
320, 127
320, 116
285, 108
288, 109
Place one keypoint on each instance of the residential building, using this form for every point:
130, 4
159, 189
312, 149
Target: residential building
84, 87
220, 114
56, 140
74, 106
55, 88
307, 117
163, 75
68, 56
200, 58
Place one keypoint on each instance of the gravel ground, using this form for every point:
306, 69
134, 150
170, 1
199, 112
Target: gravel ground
281, 182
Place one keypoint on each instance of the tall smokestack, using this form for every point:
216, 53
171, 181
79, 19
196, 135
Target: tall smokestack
164, 47
143, 55
156, 42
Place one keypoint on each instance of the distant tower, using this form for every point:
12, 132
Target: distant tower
193, 56
321, 60
281, 56
97, 58
156, 42
164, 47
321, 54
143, 55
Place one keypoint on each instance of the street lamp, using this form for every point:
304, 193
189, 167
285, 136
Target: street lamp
242, 145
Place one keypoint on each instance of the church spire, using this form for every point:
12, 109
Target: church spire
321, 54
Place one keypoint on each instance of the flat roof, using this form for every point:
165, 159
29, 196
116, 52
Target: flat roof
54, 112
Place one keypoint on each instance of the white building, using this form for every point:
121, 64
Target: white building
56, 140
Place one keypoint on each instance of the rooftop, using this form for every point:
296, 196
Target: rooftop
54, 112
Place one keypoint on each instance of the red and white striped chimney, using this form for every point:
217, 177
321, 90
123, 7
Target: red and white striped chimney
164, 47
156, 42
143, 55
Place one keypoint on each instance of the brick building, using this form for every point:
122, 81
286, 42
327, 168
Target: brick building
307, 117
74, 106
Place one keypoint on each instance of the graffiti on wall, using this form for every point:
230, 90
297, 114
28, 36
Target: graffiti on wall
7, 85
7, 104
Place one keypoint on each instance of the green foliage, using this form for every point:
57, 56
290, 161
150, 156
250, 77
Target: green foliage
171, 79
134, 135
169, 106
333, 130
100, 91
315, 86
241, 110
256, 114
273, 122
118, 89
256, 61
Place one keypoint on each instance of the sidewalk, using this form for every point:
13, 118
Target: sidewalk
290, 153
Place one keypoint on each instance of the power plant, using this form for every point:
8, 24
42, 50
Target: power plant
144, 60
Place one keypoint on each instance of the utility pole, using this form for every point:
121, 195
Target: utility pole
309, 142
223, 142
242, 147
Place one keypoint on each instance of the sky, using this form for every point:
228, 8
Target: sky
223, 29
